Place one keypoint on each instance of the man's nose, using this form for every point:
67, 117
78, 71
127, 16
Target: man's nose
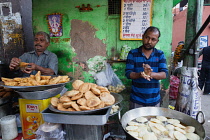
150, 40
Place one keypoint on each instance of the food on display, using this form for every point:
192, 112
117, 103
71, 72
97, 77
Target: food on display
160, 128
107, 99
116, 89
35, 80
114, 109
23, 64
76, 84
5, 92
83, 96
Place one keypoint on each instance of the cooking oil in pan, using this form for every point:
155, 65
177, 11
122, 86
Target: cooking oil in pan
160, 127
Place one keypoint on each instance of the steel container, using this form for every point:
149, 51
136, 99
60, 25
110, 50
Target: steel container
160, 111
78, 127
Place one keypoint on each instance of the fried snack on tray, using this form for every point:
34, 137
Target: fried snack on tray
5, 92
83, 97
23, 64
35, 80
77, 83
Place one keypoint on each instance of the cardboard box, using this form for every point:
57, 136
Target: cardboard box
30, 115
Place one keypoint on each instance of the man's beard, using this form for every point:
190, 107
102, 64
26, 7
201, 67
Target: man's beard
148, 48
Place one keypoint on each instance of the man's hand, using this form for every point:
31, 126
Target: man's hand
146, 74
147, 69
29, 68
147, 77
14, 64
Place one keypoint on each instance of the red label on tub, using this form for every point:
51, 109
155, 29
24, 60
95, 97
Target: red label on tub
32, 108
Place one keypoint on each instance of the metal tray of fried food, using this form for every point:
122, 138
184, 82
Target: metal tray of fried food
35, 88
118, 99
98, 118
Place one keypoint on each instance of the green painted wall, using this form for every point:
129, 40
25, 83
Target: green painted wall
175, 2
107, 31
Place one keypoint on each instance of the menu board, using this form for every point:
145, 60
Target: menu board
136, 17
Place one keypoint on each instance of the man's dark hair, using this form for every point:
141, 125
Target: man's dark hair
47, 36
152, 29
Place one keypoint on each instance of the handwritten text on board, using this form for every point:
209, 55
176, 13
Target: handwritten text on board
135, 18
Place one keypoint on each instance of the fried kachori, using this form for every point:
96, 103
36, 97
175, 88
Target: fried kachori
107, 98
85, 96
77, 83
94, 101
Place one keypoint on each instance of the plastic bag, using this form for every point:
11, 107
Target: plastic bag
50, 131
189, 97
174, 87
101, 79
124, 52
107, 77
111, 76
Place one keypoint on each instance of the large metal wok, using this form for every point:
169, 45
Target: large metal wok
159, 111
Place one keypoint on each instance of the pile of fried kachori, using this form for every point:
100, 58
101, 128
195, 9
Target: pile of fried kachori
83, 96
5, 92
35, 80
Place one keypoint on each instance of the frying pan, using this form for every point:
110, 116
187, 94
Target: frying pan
160, 111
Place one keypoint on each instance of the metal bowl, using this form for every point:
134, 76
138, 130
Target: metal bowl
35, 88
44, 94
118, 99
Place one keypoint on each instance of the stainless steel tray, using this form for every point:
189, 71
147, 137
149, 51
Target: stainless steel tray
99, 118
118, 99
35, 88
45, 94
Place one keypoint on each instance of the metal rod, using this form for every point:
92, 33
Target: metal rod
196, 36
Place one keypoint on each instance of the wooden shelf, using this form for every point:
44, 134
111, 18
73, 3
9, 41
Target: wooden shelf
115, 61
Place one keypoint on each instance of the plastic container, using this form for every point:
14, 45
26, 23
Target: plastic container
124, 52
8, 127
